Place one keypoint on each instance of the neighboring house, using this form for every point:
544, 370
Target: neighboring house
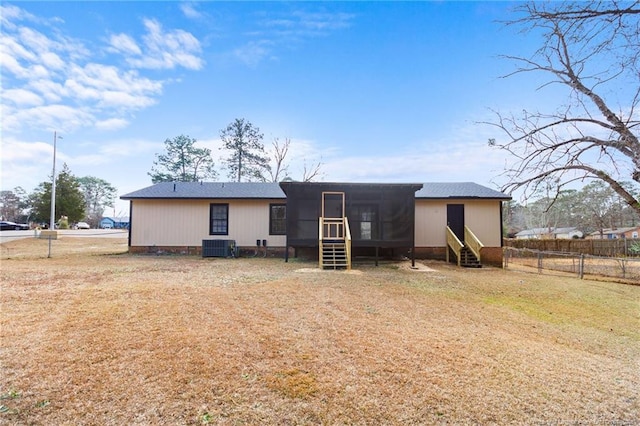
612, 234
114, 223
549, 233
378, 219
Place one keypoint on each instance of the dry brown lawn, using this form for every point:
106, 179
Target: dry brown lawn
96, 336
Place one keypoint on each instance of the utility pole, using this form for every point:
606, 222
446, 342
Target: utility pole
53, 184
52, 219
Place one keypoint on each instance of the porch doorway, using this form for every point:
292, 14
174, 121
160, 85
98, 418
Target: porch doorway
333, 205
455, 219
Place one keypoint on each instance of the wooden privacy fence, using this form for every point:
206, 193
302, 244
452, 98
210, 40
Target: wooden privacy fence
609, 248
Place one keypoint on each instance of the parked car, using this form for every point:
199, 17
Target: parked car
81, 225
12, 226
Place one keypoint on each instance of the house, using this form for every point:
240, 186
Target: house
549, 233
114, 223
470, 210
342, 220
178, 216
336, 221
612, 234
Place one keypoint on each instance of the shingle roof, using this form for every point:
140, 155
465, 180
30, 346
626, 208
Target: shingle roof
207, 190
343, 186
256, 190
439, 190
545, 231
615, 231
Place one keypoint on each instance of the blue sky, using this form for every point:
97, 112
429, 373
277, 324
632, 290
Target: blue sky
376, 91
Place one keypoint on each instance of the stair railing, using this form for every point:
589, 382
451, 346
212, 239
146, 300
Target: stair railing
473, 242
334, 228
455, 244
320, 240
347, 241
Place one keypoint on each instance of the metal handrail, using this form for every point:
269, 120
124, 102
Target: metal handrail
455, 244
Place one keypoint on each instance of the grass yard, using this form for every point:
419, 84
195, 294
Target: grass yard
96, 336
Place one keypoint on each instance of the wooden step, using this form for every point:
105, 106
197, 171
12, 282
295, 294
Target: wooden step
468, 259
334, 255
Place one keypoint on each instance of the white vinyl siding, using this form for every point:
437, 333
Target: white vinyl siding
187, 222
481, 216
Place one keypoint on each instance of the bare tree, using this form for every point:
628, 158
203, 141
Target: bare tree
311, 171
280, 169
591, 50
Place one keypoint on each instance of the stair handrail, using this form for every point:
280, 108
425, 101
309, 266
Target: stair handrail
320, 239
473, 242
333, 228
454, 242
347, 241
342, 232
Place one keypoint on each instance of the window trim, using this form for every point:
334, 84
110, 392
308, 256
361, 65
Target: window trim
272, 219
211, 227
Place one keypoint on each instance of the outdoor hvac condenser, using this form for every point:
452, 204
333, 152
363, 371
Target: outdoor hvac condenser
218, 248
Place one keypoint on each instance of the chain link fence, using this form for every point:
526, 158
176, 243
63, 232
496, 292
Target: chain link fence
626, 269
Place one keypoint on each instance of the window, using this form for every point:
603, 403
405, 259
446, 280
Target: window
634, 234
219, 219
277, 219
365, 221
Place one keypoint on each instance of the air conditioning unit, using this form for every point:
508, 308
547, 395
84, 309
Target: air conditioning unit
218, 248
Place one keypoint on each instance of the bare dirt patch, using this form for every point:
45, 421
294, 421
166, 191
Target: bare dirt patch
95, 336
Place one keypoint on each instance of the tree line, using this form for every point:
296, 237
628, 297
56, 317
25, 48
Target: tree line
593, 208
246, 158
78, 198
86, 198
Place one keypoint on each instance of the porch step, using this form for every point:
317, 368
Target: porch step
334, 256
468, 259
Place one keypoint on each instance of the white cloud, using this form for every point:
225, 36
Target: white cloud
35, 41
52, 61
10, 13
112, 124
254, 52
165, 49
322, 21
24, 163
189, 10
463, 162
124, 44
128, 148
51, 117
50, 90
119, 99
22, 97
12, 47
54, 83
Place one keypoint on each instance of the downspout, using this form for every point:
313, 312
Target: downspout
413, 232
501, 234
501, 225
286, 235
130, 217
